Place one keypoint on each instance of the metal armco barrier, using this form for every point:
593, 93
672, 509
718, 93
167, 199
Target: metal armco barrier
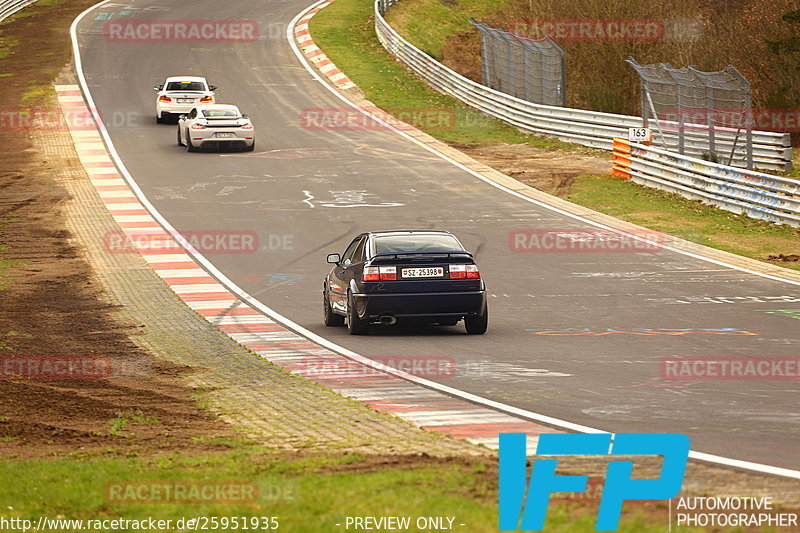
9, 7
755, 194
590, 128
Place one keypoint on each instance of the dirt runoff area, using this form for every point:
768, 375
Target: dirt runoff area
142, 377
553, 172
51, 306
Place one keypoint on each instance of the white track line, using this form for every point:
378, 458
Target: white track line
230, 285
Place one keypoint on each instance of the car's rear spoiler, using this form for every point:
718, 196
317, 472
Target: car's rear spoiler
448, 253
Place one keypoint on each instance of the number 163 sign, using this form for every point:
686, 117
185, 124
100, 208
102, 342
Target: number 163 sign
640, 135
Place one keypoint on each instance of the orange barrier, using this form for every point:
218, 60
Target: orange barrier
621, 145
621, 159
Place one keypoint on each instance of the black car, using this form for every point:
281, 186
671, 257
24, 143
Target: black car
386, 275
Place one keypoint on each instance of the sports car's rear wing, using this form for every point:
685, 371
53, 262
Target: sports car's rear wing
426, 255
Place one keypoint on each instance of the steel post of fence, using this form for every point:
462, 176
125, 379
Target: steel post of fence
748, 109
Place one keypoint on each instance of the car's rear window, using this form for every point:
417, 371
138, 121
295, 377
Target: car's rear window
416, 243
219, 113
186, 86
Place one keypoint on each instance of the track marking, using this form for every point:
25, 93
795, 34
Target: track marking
311, 336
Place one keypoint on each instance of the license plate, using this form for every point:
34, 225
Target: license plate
423, 272
224, 135
185, 100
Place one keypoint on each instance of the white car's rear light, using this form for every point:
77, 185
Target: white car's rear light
196, 126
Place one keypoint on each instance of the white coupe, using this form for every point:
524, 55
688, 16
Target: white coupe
218, 125
181, 94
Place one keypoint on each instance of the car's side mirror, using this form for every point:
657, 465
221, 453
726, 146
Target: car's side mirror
334, 259
158, 87
181, 117
212, 88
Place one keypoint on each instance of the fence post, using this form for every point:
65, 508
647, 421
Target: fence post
518, 78
563, 86
748, 112
679, 88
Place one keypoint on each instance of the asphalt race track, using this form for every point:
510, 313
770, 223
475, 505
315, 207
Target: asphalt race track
577, 336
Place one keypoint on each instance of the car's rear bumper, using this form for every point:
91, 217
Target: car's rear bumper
172, 108
224, 140
429, 304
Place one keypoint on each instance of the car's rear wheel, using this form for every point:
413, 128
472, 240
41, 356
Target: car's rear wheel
180, 141
189, 146
251, 147
331, 318
477, 325
355, 325
161, 119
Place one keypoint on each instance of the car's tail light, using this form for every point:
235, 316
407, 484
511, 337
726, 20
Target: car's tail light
371, 274
388, 273
464, 272
206, 100
197, 126
164, 99
458, 271
247, 126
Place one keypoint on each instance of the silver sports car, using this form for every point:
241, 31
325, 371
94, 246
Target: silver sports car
216, 125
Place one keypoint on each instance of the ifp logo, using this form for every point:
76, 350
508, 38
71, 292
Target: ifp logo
618, 488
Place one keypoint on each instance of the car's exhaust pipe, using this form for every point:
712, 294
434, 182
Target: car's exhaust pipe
387, 320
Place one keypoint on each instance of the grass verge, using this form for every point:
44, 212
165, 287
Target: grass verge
690, 220
312, 493
390, 86
450, 17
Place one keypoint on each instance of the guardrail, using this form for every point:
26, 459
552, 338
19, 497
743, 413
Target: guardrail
9, 7
590, 128
756, 194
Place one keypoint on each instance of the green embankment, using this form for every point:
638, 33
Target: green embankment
345, 31
305, 494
